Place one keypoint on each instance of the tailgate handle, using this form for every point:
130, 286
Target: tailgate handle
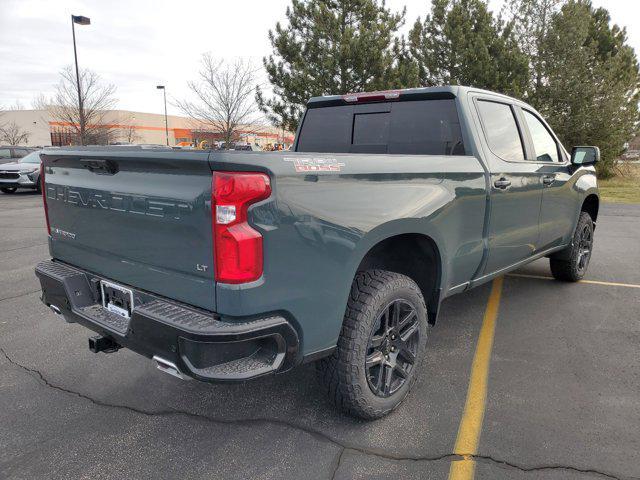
548, 179
101, 167
503, 183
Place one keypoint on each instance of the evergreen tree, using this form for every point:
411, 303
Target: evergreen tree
460, 42
590, 81
531, 20
332, 47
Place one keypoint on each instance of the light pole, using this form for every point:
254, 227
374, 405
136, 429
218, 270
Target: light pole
166, 123
80, 20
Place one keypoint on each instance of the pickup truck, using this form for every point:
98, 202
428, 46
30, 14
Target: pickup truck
226, 266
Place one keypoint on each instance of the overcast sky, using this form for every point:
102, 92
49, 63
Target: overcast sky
138, 44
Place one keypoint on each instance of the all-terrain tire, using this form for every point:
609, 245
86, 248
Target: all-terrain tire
571, 264
344, 373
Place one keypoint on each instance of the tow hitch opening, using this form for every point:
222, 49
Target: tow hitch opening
103, 344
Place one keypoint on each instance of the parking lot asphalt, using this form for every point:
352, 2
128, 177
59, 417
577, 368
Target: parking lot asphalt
562, 398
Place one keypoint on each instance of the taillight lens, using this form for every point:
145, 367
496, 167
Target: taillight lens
44, 197
237, 246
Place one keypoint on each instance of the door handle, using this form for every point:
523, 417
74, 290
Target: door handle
548, 179
502, 183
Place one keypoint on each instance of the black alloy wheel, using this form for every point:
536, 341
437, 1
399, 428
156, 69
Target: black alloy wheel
570, 264
392, 348
585, 241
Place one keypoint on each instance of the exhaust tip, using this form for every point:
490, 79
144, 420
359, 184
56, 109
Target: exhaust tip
169, 367
55, 309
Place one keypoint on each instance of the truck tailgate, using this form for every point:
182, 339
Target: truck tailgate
138, 217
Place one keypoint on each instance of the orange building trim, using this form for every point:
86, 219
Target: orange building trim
182, 133
178, 132
113, 125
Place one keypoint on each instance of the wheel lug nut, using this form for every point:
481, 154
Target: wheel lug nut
393, 349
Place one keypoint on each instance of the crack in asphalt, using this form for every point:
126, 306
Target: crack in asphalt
23, 248
26, 227
538, 468
20, 295
344, 447
337, 463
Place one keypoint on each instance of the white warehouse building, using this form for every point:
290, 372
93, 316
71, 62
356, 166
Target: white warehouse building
136, 127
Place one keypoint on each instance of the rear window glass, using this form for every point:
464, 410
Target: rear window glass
33, 157
371, 131
326, 130
19, 152
423, 127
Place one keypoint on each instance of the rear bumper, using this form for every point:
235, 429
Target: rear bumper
200, 344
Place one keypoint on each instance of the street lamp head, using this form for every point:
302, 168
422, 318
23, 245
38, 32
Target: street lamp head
160, 87
80, 20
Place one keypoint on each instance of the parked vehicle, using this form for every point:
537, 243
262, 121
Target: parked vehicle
10, 154
247, 147
25, 173
226, 266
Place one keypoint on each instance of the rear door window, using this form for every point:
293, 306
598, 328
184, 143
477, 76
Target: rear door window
543, 143
501, 130
421, 127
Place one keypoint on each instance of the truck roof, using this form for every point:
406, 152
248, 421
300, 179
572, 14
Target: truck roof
422, 93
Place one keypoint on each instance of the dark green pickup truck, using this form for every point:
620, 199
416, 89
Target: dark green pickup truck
229, 266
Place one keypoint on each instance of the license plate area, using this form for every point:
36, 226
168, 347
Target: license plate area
117, 299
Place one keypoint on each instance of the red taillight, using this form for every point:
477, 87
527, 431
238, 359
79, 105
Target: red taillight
237, 247
44, 197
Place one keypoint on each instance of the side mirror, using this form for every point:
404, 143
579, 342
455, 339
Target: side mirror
585, 155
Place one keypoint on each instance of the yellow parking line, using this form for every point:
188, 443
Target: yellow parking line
593, 282
471, 422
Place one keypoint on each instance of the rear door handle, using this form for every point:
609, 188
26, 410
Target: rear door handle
502, 183
548, 179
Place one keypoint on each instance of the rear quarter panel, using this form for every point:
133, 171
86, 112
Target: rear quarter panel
317, 227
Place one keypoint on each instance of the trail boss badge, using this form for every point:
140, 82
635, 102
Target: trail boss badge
309, 164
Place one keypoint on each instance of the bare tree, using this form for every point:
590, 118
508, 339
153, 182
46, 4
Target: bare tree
129, 132
88, 123
17, 105
224, 98
12, 134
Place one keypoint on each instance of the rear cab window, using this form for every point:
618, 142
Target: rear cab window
411, 127
5, 153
